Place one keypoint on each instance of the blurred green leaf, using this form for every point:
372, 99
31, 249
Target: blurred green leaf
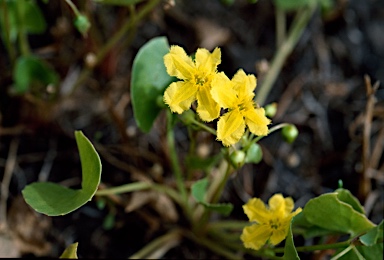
70, 252
148, 82
199, 189
30, 70
329, 212
290, 252
53, 199
373, 236
195, 162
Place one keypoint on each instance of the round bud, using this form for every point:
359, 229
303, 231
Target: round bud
290, 133
270, 110
82, 24
254, 154
237, 159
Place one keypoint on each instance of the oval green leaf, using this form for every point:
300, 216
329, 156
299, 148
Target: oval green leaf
290, 252
55, 200
31, 71
329, 212
148, 82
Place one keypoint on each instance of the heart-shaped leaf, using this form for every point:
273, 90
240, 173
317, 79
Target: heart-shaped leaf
53, 199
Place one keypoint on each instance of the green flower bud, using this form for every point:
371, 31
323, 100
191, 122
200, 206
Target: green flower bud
270, 110
188, 117
290, 133
237, 159
82, 24
254, 154
160, 102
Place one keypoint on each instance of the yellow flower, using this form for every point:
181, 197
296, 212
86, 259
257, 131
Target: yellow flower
195, 84
272, 223
237, 95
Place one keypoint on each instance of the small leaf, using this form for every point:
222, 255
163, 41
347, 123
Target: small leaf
31, 17
148, 82
30, 71
199, 189
290, 252
70, 252
373, 235
53, 199
328, 212
347, 197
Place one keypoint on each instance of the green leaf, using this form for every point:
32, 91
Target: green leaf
373, 235
199, 189
290, 252
374, 252
329, 212
31, 71
31, 17
118, 2
290, 5
347, 197
148, 82
53, 199
70, 252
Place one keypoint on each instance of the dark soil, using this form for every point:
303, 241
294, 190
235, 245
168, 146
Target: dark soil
321, 90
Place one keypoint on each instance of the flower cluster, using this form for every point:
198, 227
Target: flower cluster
272, 223
213, 90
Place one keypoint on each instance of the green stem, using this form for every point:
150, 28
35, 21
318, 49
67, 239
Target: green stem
213, 246
73, 7
175, 162
130, 24
136, 186
316, 247
230, 224
22, 35
280, 26
270, 131
7, 36
204, 127
297, 28
167, 241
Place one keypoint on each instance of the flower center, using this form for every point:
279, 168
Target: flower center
200, 80
275, 224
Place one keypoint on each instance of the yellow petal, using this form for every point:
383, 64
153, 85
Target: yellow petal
255, 236
289, 205
256, 211
179, 96
207, 108
277, 202
222, 91
256, 121
280, 234
230, 127
178, 63
206, 61
244, 84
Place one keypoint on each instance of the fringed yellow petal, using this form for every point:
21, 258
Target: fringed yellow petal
276, 202
256, 121
244, 84
256, 211
207, 108
230, 127
179, 96
289, 205
279, 235
222, 91
207, 61
255, 236
179, 64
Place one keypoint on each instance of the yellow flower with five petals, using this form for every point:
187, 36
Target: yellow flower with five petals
272, 223
237, 95
196, 76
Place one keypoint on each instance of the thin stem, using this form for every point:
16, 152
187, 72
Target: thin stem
315, 247
297, 28
230, 224
175, 162
342, 253
7, 40
204, 127
280, 26
73, 7
168, 241
270, 131
22, 35
130, 24
136, 186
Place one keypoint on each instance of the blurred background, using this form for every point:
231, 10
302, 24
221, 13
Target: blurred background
58, 75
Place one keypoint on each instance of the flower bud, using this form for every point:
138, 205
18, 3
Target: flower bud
290, 133
188, 117
237, 159
254, 154
270, 110
82, 24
